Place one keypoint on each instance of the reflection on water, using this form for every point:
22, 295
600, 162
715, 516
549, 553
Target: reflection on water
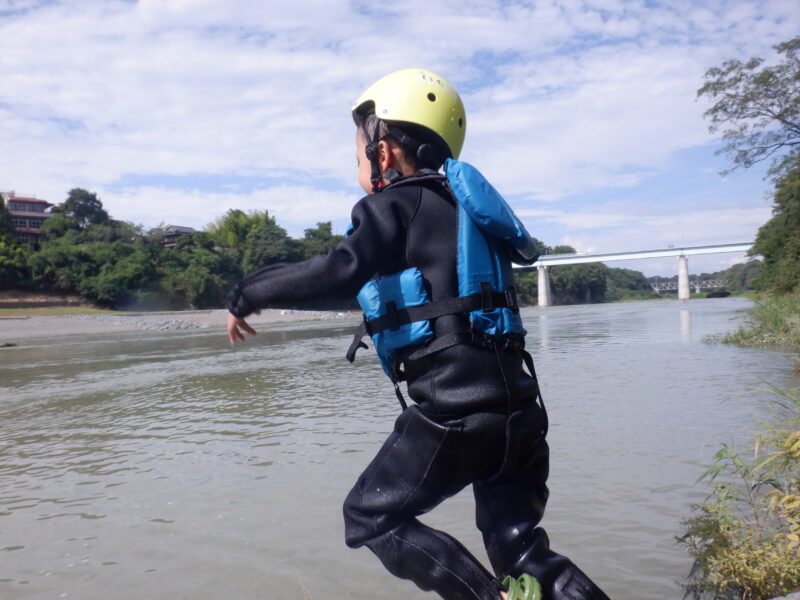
169, 465
686, 325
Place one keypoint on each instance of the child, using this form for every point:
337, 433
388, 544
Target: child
431, 255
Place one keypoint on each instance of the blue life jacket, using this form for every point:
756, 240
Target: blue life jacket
397, 309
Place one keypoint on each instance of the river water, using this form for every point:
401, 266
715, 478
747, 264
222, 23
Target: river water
168, 465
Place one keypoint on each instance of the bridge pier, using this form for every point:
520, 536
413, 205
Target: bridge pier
545, 298
683, 277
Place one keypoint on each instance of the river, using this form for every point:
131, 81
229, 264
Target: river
168, 465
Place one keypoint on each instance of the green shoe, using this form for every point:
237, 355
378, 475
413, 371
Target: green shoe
523, 587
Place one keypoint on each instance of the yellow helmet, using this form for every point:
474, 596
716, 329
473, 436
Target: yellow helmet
417, 97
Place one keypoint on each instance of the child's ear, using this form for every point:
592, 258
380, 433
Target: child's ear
385, 155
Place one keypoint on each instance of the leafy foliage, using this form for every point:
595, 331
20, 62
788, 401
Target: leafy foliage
746, 536
83, 208
319, 240
775, 321
266, 244
582, 283
625, 284
778, 240
14, 271
6, 227
757, 107
740, 277
570, 284
116, 264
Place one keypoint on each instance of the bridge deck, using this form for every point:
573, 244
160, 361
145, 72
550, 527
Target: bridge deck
572, 259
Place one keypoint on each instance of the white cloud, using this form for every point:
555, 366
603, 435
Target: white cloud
564, 97
296, 206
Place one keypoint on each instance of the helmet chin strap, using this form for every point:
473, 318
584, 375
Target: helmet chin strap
371, 150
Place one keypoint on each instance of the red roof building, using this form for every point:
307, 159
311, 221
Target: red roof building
28, 214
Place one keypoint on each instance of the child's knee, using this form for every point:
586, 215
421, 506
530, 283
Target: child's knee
359, 526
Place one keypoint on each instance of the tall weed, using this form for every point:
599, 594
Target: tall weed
745, 538
775, 321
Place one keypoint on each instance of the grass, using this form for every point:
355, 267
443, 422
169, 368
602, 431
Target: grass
745, 537
47, 311
774, 321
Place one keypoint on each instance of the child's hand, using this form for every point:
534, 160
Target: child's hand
234, 323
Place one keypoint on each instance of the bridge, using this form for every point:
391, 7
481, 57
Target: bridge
551, 260
697, 284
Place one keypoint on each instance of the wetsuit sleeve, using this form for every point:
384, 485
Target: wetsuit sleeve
378, 238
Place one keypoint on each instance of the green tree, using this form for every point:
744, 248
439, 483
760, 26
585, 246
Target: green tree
192, 277
231, 230
626, 284
123, 272
757, 108
83, 208
267, 244
14, 271
6, 226
252, 239
319, 240
526, 284
741, 276
56, 227
576, 284
778, 240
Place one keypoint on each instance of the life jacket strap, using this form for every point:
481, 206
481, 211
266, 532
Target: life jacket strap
360, 333
444, 342
486, 301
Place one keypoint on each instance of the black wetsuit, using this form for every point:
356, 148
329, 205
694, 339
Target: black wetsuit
476, 421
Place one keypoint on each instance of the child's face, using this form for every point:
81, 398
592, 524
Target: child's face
364, 167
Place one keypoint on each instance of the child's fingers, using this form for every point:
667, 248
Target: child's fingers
244, 325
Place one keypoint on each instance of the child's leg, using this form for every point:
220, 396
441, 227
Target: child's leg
509, 509
421, 464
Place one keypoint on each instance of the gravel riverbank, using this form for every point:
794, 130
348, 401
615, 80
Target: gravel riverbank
16, 329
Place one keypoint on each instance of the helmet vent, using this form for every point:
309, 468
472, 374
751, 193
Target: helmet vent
460, 122
431, 96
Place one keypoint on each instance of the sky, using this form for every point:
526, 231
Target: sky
582, 113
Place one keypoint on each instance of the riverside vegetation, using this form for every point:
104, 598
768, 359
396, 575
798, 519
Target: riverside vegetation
116, 264
745, 538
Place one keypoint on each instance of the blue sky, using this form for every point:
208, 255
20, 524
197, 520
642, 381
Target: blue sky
581, 112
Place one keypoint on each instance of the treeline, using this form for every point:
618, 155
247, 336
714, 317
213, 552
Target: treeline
113, 263
583, 283
117, 264
595, 282
740, 277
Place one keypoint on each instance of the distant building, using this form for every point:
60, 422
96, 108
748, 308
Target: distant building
28, 215
173, 232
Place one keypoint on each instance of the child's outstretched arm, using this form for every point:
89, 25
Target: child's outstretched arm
376, 243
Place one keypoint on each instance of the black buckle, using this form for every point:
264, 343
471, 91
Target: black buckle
511, 299
487, 305
357, 343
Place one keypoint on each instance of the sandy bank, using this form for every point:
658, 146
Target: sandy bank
14, 330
